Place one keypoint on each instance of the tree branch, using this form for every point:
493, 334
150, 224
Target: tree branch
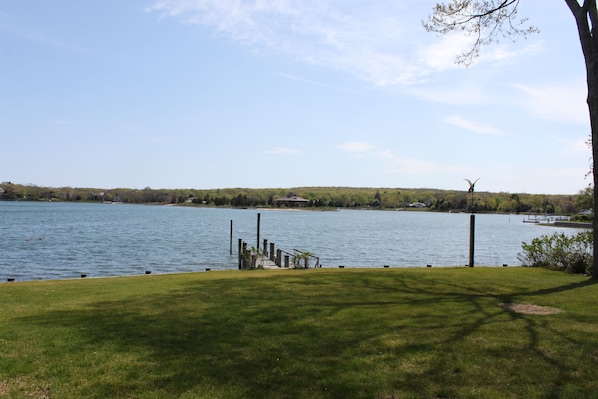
484, 19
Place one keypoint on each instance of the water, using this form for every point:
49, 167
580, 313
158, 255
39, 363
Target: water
43, 240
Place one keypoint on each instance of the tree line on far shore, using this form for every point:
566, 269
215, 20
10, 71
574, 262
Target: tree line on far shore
317, 197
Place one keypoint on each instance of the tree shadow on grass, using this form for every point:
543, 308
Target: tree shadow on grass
246, 345
361, 336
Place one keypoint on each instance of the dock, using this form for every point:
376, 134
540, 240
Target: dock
266, 263
256, 258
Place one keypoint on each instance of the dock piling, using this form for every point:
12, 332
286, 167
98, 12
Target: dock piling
272, 254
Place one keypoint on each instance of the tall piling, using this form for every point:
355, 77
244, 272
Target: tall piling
471, 238
240, 253
258, 231
231, 237
272, 255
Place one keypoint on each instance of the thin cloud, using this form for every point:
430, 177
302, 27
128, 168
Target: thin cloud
440, 55
409, 166
365, 40
310, 82
372, 41
12, 26
361, 149
579, 146
467, 94
395, 164
556, 102
283, 150
475, 127
503, 54
358, 147
572, 145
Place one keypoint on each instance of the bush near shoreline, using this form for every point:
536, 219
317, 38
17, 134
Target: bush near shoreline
322, 333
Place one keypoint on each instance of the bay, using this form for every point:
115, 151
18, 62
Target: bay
46, 240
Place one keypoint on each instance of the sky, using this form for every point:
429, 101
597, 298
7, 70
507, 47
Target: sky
205, 94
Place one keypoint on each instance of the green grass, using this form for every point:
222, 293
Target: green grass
350, 333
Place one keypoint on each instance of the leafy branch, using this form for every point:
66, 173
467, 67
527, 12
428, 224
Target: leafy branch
483, 19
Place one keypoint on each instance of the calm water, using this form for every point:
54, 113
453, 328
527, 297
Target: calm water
64, 240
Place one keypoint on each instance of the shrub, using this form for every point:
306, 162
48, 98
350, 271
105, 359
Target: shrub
559, 251
301, 260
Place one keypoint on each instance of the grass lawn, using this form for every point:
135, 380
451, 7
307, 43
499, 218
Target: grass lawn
324, 333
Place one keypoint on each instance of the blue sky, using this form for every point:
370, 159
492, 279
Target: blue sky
285, 93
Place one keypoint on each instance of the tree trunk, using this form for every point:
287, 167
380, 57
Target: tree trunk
593, 108
586, 18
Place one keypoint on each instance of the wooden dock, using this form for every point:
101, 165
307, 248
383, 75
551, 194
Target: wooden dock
266, 263
260, 257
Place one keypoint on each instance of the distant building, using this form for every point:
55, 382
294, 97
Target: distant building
292, 201
417, 205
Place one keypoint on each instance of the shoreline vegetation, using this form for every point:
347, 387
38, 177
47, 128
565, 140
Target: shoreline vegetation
321, 333
318, 198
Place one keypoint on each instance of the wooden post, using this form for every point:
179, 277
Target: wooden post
240, 253
278, 257
231, 237
286, 261
471, 238
272, 255
265, 250
258, 231
244, 252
